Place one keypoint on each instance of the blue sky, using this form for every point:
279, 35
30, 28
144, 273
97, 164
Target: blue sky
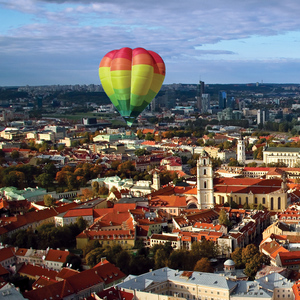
233, 41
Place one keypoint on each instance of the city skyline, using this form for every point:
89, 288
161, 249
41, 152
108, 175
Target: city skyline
62, 42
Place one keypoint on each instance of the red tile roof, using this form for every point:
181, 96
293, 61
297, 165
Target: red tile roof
79, 212
6, 253
37, 271
104, 274
114, 293
57, 255
289, 258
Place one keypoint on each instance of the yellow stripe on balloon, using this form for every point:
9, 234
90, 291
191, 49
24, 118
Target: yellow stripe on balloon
140, 82
121, 79
157, 81
104, 74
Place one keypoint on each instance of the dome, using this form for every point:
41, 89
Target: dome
229, 262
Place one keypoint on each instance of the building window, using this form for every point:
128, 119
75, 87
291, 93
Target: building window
264, 200
255, 200
240, 200
279, 203
205, 184
204, 162
272, 203
204, 172
247, 200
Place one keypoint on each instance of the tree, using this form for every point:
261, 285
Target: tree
48, 200
95, 187
45, 180
204, 248
260, 207
181, 260
123, 261
236, 256
103, 191
14, 178
252, 164
73, 261
203, 265
15, 154
141, 152
81, 223
246, 206
233, 204
160, 259
86, 194
248, 253
233, 162
94, 256
223, 219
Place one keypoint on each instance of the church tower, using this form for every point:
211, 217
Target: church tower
156, 181
241, 153
205, 189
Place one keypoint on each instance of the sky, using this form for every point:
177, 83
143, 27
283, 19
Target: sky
216, 41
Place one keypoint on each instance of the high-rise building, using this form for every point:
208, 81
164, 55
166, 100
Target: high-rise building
200, 92
262, 116
222, 99
205, 103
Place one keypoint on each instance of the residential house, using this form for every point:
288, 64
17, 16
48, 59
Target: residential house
55, 259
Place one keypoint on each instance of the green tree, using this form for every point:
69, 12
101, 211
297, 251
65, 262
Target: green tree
181, 260
45, 180
141, 152
81, 224
48, 200
233, 162
73, 261
260, 207
94, 256
252, 164
236, 256
123, 261
160, 259
15, 154
248, 253
204, 248
223, 218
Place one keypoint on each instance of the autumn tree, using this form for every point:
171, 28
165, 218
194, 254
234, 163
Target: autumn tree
48, 200
223, 218
95, 187
86, 194
103, 190
203, 265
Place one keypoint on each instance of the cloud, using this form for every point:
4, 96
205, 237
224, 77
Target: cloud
79, 33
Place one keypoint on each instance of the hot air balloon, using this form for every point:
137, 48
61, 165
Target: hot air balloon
131, 78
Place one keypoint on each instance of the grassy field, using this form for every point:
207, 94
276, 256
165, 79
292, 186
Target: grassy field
113, 118
76, 116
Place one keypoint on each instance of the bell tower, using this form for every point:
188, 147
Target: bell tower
156, 181
241, 154
205, 189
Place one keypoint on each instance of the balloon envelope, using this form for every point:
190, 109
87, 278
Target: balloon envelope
131, 78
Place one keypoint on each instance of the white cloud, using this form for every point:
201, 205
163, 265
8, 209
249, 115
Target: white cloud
182, 32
